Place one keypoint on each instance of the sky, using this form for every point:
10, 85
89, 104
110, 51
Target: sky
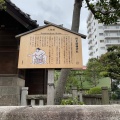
58, 12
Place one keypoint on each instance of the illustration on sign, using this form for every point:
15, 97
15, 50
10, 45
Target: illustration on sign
38, 57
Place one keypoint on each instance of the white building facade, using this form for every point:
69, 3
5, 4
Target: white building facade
101, 36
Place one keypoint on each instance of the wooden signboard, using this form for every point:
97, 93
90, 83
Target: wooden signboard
50, 47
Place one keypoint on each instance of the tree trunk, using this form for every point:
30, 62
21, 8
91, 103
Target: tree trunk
60, 88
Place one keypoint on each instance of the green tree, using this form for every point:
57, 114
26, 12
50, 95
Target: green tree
65, 72
106, 12
2, 4
111, 62
72, 81
75, 79
92, 73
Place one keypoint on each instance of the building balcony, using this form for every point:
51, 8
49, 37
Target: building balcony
112, 28
112, 36
89, 24
90, 35
88, 30
91, 53
90, 41
90, 47
109, 44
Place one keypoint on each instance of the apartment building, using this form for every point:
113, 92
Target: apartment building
101, 36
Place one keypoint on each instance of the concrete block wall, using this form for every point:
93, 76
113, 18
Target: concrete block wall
10, 90
11, 81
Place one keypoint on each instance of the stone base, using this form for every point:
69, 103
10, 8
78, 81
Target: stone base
12, 81
81, 112
10, 90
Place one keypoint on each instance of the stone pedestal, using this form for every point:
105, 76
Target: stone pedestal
74, 92
24, 94
80, 96
105, 96
10, 88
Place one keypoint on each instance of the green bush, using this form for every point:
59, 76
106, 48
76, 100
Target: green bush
95, 90
71, 101
114, 96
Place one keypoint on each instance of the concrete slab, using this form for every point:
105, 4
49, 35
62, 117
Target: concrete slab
84, 112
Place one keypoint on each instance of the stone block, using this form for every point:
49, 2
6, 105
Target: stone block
9, 95
20, 82
9, 90
9, 100
11, 81
10, 87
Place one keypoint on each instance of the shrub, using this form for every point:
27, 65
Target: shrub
114, 96
71, 101
95, 90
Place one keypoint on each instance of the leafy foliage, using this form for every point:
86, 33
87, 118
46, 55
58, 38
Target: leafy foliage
106, 11
111, 62
75, 79
71, 101
2, 4
95, 90
115, 90
92, 73
115, 94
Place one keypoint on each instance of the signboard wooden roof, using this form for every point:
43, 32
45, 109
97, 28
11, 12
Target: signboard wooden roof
50, 46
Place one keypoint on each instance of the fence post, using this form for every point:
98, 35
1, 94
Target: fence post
105, 95
50, 87
80, 96
74, 92
24, 93
41, 102
33, 102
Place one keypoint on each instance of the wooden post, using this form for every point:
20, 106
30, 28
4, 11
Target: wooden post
105, 96
50, 87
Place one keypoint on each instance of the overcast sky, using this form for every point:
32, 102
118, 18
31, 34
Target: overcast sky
58, 12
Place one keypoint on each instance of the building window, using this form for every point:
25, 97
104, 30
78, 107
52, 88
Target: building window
101, 34
101, 41
102, 48
100, 27
96, 49
94, 29
118, 33
107, 34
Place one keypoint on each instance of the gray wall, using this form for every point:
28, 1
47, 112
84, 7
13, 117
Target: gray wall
10, 91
